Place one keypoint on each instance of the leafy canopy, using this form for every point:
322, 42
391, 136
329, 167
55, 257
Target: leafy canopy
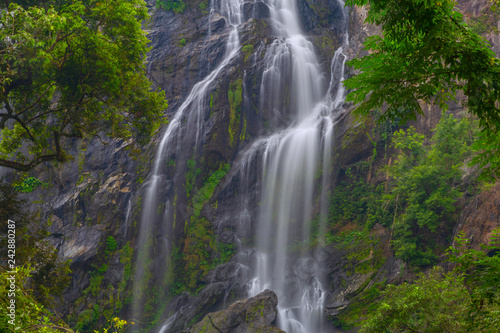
466, 299
72, 69
427, 53
425, 185
482, 271
436, 302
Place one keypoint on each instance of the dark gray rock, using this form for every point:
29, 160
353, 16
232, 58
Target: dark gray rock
217, 23
258, 10
184, 310
255, 314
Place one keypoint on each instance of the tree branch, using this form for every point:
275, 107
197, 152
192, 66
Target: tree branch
41, 114
35, 102
30, 165
60, 38
23, 125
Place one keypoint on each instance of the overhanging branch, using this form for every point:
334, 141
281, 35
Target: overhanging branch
30, 165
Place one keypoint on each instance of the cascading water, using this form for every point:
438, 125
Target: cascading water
178, 136
295, 93
291, 159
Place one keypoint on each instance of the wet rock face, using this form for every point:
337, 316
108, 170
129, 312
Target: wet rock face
255, 314
258, 10
91, 194
320, 14
87, 202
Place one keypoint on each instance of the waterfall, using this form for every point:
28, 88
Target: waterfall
291, 159
294, 161
177, 138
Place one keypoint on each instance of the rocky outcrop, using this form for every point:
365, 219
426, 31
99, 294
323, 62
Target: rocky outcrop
254, 315
99, 193
480, 217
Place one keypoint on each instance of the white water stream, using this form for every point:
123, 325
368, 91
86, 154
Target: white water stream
189, 115
291, 161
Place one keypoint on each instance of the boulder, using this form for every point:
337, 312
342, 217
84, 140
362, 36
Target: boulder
248, 316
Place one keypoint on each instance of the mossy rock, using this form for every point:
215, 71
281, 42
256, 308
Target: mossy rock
250, 316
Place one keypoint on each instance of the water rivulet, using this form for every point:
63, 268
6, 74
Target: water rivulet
282, 114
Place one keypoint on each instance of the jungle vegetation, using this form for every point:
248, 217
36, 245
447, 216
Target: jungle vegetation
72, 69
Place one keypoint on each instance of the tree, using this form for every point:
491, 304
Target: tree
436, 302
27, 314
464, 300
425, 182
72, 69
482, 272
427, 53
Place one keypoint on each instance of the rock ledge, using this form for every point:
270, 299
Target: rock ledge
253, 315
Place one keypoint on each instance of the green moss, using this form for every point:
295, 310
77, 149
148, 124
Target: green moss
177, 6
191, 174
182, 42
243, 130
198, 248
247, 50
81, 161
82, 178
126, 258
321, 11
205, 193
235, 98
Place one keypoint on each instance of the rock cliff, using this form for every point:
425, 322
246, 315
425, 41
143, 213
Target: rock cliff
202, 261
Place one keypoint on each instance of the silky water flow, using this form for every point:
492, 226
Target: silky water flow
290, 160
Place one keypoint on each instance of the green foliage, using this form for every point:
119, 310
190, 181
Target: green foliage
427, 53
109, 298
199, 247
177, 6
418, 199
201, 251
424, 54
203, 7
362, 306
28, 184
49, 276
243, 132
11, 206
425, 185
488, 146
482, 272
486, 21
126, 258
32, 308
182, 42
191, 174
436, 302
464, 300
235, 98
30, 315
248, 50
205, 193
111, 245
361, 203
72, 70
